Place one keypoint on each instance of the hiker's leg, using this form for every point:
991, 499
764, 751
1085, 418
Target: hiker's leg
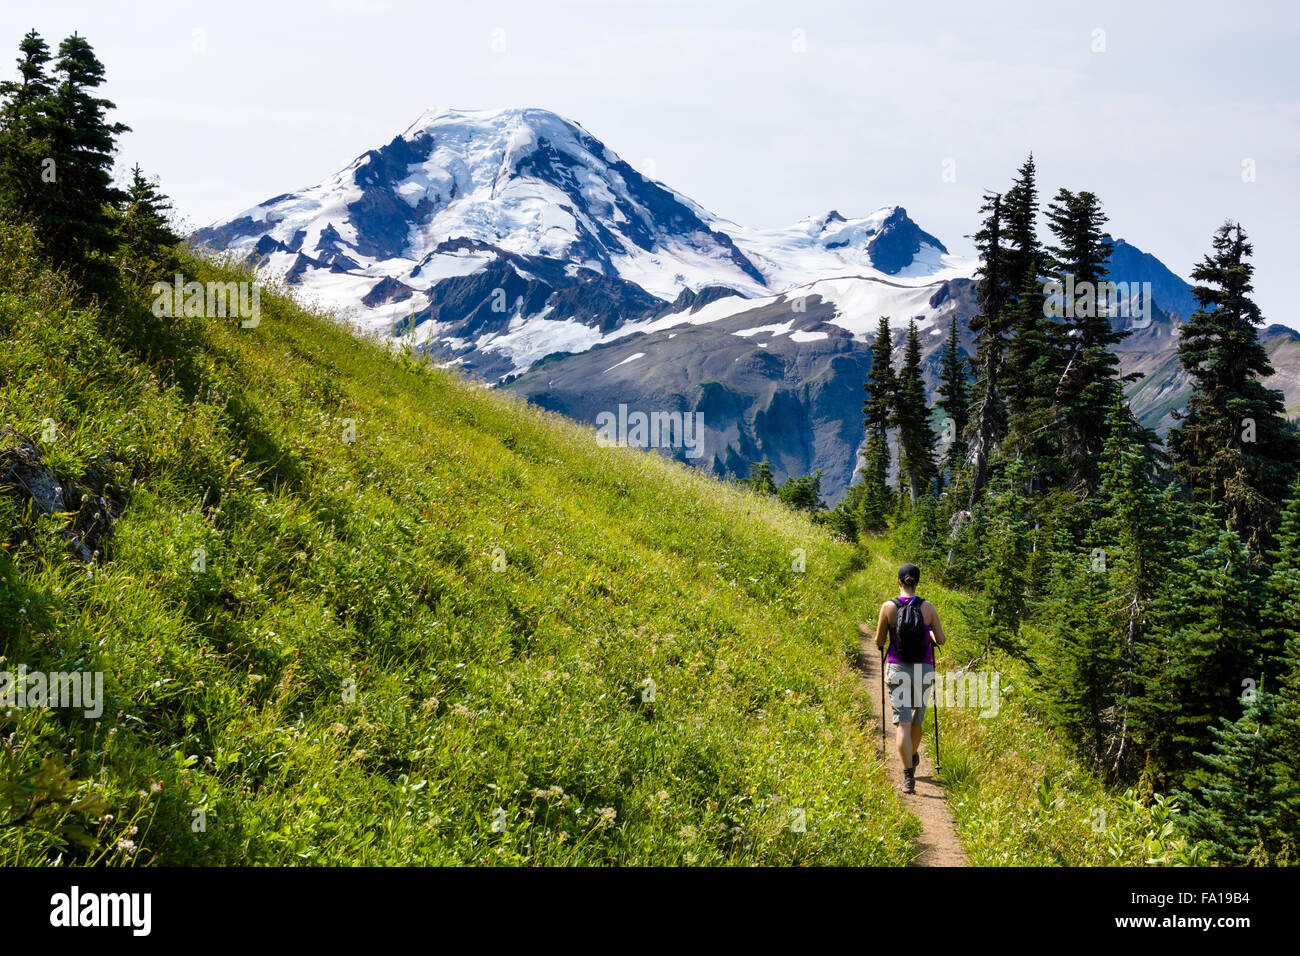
917, 732
900, 702
927, 685
903, 742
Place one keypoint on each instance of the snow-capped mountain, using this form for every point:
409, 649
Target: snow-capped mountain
494, 237
516, 245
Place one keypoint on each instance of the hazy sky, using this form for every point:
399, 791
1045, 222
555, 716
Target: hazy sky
762, 112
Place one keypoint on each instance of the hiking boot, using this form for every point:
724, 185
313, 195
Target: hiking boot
909, 780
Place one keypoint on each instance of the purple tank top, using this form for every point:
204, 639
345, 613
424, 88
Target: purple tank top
893, 657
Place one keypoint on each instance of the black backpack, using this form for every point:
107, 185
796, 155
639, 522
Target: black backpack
913, 641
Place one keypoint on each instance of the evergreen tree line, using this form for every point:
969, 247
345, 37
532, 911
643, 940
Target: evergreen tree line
56, 164
1150, 589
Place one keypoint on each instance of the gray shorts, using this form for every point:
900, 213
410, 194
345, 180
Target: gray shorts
909, 685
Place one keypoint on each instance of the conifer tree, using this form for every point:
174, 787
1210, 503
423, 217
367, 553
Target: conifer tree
876, 498
803, 493
1282, 673
1234, 813
878, 413
1003, 547
1208, 649
1282, 592
34, 85
878, 409
1134, 535
1024, 253
146, 234
1089, 384
844, 519
1078, 655
1033, 361
912, 413
1232, 446
25, 129
1034, 366
760, 478
76, 215
1287, 747
954, 399
930, 531
988, 419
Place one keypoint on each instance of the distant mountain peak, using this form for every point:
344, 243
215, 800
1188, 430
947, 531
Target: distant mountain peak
461, 188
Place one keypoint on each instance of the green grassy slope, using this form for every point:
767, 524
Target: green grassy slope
348, 678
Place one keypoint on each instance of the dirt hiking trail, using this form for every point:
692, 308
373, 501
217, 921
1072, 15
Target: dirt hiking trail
938, 844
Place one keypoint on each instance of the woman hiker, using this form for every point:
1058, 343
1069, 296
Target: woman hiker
909, 669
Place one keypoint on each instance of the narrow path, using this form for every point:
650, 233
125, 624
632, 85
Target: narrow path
938, 844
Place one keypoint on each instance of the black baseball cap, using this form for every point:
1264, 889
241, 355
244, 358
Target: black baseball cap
909, 571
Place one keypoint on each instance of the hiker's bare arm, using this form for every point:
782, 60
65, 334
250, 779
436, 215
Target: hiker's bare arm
936, 629
882, 626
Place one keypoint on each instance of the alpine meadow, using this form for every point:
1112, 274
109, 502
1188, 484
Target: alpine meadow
492, 503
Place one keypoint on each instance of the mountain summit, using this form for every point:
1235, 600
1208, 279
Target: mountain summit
465, 191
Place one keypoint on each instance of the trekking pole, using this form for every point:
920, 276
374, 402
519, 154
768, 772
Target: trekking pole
882, 705
934, 690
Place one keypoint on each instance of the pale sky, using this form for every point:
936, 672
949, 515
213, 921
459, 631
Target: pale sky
762, 112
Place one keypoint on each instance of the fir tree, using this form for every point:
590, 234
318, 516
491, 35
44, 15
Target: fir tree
929, 527
1234, 813
1078, 655
1003, 547
760, 478
878, 414
34, 86
988, 420
1287, 748
1282, 592
146, 234
1134, 534
1024, 253
843, 520
1089, 384
1033, 360
25, 129
876, 498
803, 493
915, 435
1232, 446
878, 409
1208, 650
75, 220
954, 399
1282, 671
1034, 366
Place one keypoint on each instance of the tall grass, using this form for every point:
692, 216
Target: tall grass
469, 635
